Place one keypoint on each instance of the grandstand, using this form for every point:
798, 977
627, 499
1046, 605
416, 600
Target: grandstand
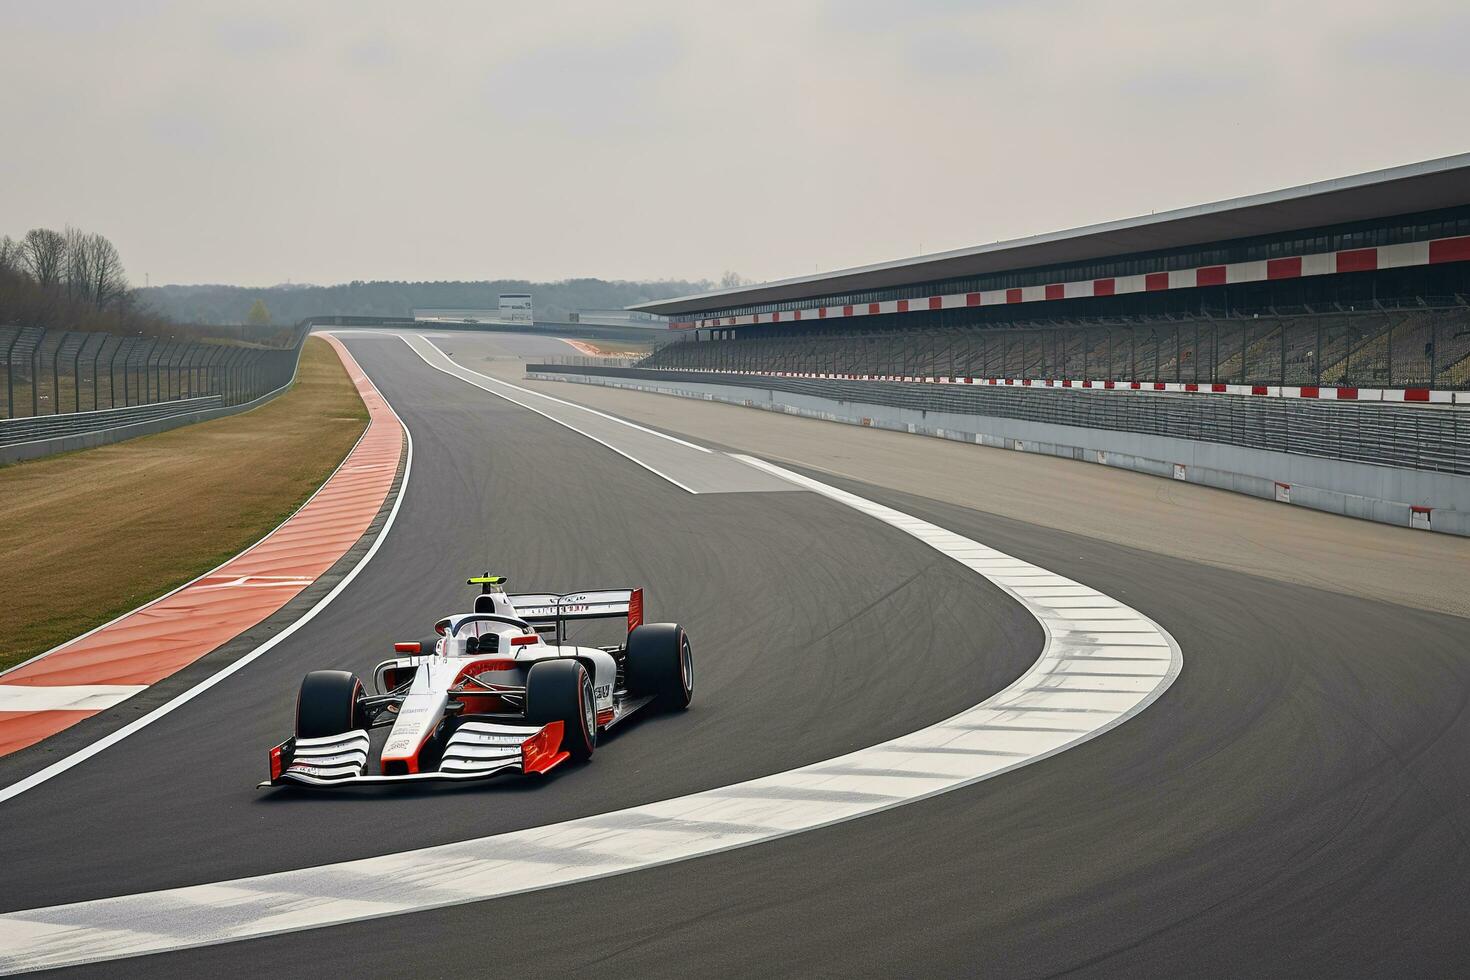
1358, 282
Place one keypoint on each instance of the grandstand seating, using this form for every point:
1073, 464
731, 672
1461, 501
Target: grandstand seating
1428, 346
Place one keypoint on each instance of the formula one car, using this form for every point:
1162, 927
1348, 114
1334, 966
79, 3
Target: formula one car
498, 690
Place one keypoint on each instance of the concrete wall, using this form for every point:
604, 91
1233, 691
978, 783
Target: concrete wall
1391, 495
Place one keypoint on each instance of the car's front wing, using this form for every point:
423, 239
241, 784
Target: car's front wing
474, 750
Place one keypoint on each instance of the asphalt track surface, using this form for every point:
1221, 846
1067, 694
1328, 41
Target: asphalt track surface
1295, 805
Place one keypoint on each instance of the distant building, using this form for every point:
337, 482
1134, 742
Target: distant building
516, 308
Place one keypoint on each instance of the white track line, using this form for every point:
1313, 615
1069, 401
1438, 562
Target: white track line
82, 755
462, 370
498, 388
1101, 663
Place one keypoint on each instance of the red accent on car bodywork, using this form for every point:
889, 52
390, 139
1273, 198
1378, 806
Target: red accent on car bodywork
543, 750
477, 667
635, 610
605, 715
408, 648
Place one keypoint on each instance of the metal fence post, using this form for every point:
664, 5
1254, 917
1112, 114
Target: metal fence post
10, 376
224, 389
56, 373
96, 386
196, 370
157, 368
76, 375
36, 374
199, 367
186, 377
211, 370
112, 374
238, 369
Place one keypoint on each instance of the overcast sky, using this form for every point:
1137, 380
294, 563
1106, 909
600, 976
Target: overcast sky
256, 143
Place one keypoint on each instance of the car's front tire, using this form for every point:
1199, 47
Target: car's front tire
660, 662
329, 703
561, 690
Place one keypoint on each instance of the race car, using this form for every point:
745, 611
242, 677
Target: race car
497, 690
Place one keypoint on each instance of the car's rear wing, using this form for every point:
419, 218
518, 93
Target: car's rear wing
549, 608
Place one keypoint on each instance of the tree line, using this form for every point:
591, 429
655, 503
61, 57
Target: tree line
69, 279
74, 280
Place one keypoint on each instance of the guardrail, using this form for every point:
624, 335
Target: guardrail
1424, 437
13, 431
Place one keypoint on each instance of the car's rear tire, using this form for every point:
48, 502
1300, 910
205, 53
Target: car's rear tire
561, 690
330, 703
661, 663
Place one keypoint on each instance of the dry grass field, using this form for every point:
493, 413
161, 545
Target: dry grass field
89, 535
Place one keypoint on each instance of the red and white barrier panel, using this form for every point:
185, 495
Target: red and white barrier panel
1293, 267
1319, 392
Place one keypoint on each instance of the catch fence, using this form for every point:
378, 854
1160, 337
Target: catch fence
59, 372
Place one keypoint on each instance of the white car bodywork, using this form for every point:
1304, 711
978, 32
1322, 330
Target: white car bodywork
478, 669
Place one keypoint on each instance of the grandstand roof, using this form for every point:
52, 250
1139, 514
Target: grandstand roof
1408, 189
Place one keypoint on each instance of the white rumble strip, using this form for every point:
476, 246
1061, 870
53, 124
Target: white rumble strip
1101, 663
76, 697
